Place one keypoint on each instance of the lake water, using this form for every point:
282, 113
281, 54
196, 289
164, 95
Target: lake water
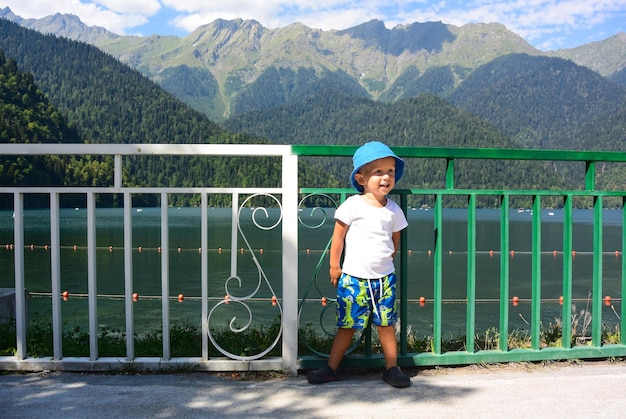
184, 230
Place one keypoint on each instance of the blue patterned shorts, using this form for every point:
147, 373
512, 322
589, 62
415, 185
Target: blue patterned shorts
357, 299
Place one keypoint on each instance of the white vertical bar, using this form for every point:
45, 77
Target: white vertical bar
204, 269
92, 288
55, 276
290, 263
165, 271
117, 171
234, 234
20, 289
128, 276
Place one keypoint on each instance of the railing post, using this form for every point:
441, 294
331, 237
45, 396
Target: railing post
165, 276
92, 276
566, 332
536, 274
449, 174
20, 289
471, 274
128, 276
596, 329
504, 272
404, 280
204, 274
55, 276
290, 262
438, 275
623, 316
590, 175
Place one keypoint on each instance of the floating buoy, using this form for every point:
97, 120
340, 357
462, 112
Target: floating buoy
410, 252
607, 300
179, 250
617, 253
308, 251
75, 247
226, 299
46, 247
554, 253
324, 302
32, 247
65, 295
274, 300
491, 253
139, 249
261, 250
573, 253
429, 252
199, 250
422, 301
241, 250
181, 298
219, 250
561, 300
515, 301
512, 253
110, 248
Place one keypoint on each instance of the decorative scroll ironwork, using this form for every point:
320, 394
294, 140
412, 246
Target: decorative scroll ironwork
243, 301
314, 292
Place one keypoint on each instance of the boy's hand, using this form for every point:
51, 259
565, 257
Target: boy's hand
335, 273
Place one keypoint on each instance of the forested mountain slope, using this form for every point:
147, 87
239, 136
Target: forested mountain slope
425, 121
108, 102
547, 103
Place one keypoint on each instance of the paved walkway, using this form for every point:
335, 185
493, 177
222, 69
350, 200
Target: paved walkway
587, 390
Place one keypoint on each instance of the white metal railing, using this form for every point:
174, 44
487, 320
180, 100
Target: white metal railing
288, 302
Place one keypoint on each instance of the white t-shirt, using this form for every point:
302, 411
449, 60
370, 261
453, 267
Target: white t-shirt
368, 247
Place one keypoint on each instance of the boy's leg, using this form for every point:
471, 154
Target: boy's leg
393, 374
341, 343
387, 337
328, 372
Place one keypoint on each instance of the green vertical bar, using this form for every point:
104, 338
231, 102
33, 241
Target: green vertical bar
536, 275
450, 174
404, 246
437, 276
566, 333
596, 328
590, 176
623, 296
504, 273
471, 274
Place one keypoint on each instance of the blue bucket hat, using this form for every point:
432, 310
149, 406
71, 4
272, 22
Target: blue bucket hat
369, 152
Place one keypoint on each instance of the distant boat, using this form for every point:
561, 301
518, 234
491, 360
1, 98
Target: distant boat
550, 213
139, 209
520, 210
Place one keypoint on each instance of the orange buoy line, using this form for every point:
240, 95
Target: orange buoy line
179, 249
136, 297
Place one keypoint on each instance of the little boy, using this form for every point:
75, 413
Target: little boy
368, 226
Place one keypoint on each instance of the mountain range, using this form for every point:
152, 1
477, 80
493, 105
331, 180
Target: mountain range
502, 98
229, 67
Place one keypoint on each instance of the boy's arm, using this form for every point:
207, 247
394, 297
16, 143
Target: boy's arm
395, 237
336, 249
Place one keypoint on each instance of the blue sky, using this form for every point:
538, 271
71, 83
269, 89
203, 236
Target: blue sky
545, 24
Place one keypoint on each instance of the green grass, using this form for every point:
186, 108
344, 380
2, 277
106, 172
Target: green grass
186, 341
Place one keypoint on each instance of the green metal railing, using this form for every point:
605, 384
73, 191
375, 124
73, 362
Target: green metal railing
594, 348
